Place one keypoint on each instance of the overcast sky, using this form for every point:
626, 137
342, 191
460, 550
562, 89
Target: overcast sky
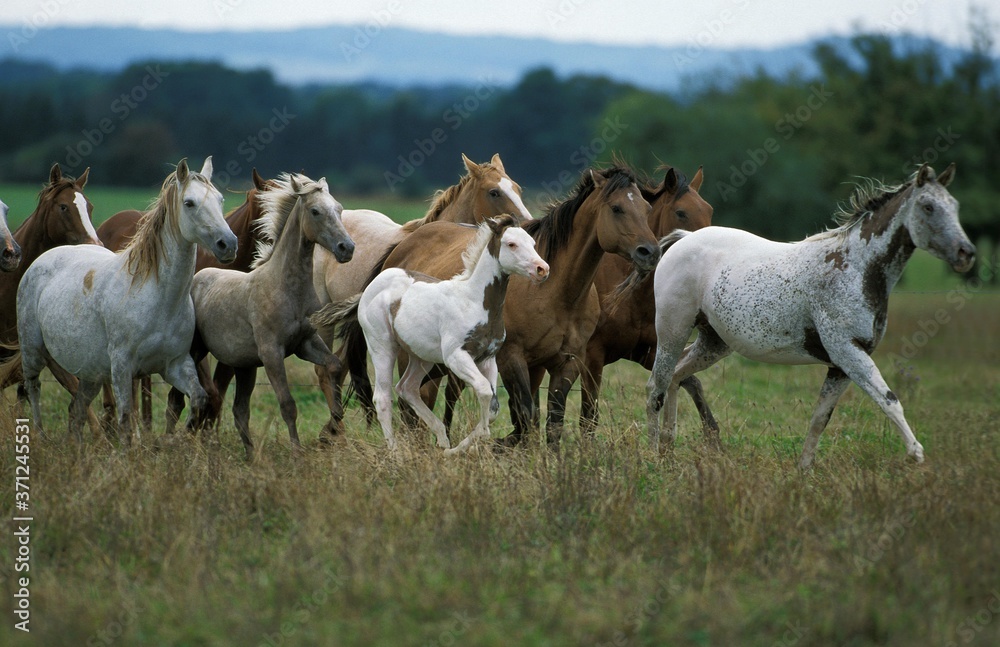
716, 23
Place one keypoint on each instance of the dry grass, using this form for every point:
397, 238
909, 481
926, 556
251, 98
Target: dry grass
605, 543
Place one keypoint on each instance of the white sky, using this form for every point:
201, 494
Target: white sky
715, 23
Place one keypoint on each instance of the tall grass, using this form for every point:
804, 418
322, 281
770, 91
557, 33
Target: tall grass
602, 543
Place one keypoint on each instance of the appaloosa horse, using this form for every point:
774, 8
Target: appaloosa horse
457, 322
548, 325
111, 317
823, 300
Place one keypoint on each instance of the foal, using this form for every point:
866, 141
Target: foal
458, 323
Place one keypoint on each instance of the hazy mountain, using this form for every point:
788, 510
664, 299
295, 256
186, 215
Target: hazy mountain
406, 57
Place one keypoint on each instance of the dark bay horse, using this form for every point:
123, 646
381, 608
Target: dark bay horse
627, 330
548, 325
62, 217
119, 229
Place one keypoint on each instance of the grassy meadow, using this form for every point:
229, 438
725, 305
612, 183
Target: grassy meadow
603, 543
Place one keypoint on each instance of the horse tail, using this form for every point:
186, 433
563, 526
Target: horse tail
340, 321
668, 241
10, 364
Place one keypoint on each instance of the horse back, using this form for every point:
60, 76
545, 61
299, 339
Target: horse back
434, 249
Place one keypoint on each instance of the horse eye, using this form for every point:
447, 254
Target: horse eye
189, 203
681, 214
62, 207
494, 193
315, 212
617, 209
512, 245
929, 208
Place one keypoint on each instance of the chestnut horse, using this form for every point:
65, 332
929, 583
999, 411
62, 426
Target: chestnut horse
548, 325
119, 229
62, 217
10, 256
627, 330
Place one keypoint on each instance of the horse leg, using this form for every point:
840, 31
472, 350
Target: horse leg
516, 379
183, 376
246, 379
482, 377
315, 351
71, 384
452, 392
709, 426
862, 370
384, 360
175, 404
110, 411
208, 416
146, 399
121, 385
706, 350
590, 387
273, 358
833, 387
560, 382
407, 415
78, 408
408, 389
221, 379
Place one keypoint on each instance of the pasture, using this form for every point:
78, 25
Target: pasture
603, 543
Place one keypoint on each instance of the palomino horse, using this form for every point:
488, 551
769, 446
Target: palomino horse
10, 255
62, 217
823, 300
457, 322
104, 316
247, 320
626, 329
119, 229
484, 191
548, 325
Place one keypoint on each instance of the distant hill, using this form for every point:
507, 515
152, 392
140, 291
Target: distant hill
404, 57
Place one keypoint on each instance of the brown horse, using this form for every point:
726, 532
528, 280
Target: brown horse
118, 230
62, 217
485, 191
627, 330
548, 325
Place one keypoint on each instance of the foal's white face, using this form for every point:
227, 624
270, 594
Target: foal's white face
518, 255
200, 218
932, 220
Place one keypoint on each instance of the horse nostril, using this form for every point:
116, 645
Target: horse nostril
221, 245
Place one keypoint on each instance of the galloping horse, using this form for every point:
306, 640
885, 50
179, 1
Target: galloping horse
548, 325
457, 322
119, 229
627, 330
10, 257
247, 320
62, 217
485, 191
823, 300
104, 316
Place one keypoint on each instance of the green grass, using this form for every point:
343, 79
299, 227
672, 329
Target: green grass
604, 543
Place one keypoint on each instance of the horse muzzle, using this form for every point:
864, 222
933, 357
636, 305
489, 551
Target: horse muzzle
964, 258
540, 274
645, 256
343, 251
10, 257
225, 248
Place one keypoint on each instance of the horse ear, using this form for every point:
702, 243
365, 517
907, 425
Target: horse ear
295, 184
82, 180
258, 181
670, 180
495, 225
182, 171
696, 181
947, 175
55, 173
598, 179
497, 163
471, 166
924, 175
206, 168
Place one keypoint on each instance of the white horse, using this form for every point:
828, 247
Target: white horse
458, 323
10, 251
823, 300
112, 317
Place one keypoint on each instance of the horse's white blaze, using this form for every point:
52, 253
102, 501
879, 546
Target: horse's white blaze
631, 197
507, 186
81, 208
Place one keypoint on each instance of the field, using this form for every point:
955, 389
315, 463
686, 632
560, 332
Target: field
603, 543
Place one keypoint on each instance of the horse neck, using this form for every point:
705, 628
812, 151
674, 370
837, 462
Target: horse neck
461, 205
240, 223
573, 268
291, 262
33, 239
176, 266
883, 243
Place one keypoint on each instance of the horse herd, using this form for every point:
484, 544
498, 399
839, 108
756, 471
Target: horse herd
475, 290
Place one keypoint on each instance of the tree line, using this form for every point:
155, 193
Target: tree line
778, 153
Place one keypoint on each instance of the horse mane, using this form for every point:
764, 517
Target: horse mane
868, 197
552, 231
474, 250
441, 200
277, 204
47, 192
651, 191
145, 249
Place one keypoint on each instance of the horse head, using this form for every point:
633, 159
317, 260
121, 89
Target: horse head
320, 217
493, 192
65, 210
932, 219
514, 249
199, 211
622, 220
677, 204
